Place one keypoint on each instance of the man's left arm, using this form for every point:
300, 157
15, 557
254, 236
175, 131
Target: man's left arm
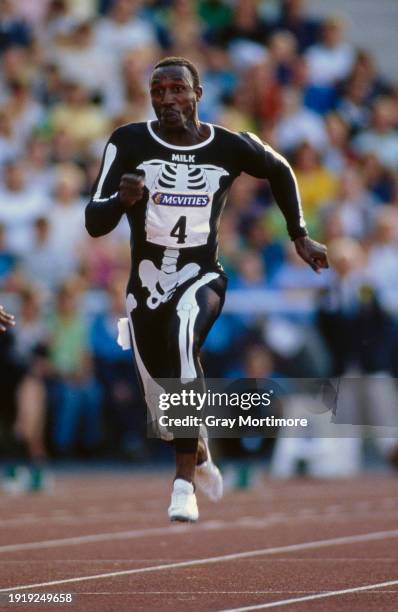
267, 163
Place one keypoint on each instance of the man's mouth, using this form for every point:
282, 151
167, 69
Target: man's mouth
170, 113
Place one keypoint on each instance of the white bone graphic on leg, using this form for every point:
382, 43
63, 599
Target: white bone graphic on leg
187, 311
152, 390
162, 283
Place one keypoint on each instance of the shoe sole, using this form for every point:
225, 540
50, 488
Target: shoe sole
182, 519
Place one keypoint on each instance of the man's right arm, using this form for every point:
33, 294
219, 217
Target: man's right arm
114, 192
105, 209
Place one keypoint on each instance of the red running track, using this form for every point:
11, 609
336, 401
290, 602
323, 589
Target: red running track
295, 545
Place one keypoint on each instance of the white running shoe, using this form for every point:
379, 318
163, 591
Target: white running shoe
183, 506
208, 477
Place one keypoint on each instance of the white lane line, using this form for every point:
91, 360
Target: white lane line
70, 519
98, 537
168, 593
365, 537
128, 510
284, 561
247, 522
114, 593
288, 602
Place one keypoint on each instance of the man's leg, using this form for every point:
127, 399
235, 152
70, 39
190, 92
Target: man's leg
197, 308
186, 321
186, 458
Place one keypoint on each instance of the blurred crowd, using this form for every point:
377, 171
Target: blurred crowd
73, 70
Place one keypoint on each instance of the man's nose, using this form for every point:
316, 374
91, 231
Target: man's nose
168, 98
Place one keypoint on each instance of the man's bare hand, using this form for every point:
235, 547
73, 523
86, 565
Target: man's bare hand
312, 252
6, 319
131, 189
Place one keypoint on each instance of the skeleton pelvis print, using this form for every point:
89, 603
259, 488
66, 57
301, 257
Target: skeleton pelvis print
162, 283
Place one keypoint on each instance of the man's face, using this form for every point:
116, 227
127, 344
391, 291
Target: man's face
174, 97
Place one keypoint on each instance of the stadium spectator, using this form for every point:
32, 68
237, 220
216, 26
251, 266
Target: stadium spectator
383, 252
382, 136
215, 15
25, 112
292, 275
354, 205
122, 29
9, 148
81, 120
76, 397
250, 271
31, 338
379, 180
20, 205
316, 183
8, 259
353, 105
183, 40
124, 415
66, 216
246, 26
258, 237
43, 266
294, 18
58, 22
283, 56
40, 173
81, 60
338, 149
297, 124
363, 341
261, 81
330, 60
13, 29
219, 81
127, 97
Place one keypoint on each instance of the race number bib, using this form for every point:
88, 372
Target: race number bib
180, 202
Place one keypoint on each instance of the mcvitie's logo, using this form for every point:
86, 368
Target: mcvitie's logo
180, 199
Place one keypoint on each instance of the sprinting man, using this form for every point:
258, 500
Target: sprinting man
171, 178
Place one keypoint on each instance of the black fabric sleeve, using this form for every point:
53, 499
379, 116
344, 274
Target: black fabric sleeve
261, 161
104, 210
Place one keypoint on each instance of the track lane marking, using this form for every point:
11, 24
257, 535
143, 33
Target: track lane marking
366, 537
288, 602
210, 525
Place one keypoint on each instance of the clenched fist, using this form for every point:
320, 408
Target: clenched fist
313, 253
131, 189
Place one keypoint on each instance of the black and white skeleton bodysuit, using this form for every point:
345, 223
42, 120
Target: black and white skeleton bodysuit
176, 287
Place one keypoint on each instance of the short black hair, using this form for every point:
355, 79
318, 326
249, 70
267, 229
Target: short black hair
180, 61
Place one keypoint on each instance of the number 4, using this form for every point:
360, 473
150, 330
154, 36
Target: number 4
179, 230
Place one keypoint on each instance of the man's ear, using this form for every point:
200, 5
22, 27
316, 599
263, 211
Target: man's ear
198, 92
